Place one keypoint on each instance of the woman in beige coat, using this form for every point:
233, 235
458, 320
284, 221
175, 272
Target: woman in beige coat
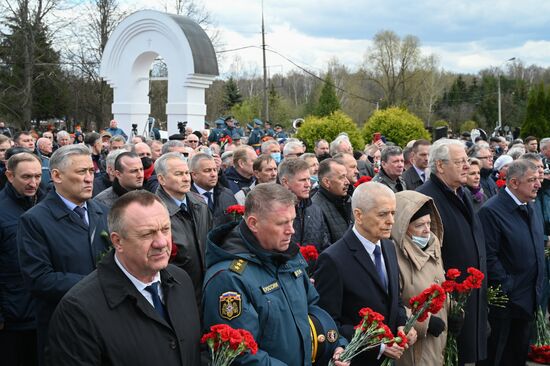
417, 234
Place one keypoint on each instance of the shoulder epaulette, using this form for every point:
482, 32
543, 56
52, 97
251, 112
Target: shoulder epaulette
238, 266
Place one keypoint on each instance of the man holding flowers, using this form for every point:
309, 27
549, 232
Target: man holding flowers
361, 270
256, 280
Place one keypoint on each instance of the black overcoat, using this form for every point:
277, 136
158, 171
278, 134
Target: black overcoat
463, 247
104, 320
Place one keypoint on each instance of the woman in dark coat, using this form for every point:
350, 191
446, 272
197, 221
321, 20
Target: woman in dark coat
474, 187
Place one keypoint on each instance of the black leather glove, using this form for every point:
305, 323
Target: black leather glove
436, 326
455, 323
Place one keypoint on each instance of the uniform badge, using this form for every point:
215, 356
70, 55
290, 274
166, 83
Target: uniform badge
230, 305
332, 336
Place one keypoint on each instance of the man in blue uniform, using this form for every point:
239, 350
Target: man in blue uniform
256, 279
255, 138
217, 133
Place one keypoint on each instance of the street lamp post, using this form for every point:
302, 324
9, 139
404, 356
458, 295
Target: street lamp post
499, 126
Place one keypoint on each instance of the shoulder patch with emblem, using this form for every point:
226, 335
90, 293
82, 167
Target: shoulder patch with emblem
230, 305
238, 266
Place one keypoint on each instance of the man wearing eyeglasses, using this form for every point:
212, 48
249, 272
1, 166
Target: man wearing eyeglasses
192, 141
483, 153
464, 241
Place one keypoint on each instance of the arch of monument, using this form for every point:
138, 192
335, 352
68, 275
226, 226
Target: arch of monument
189, 57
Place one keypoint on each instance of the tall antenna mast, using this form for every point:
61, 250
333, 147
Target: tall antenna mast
266, 105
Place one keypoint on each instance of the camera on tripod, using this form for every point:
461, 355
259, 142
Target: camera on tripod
181, 127
134, 128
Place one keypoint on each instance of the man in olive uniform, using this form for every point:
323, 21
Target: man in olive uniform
256, 280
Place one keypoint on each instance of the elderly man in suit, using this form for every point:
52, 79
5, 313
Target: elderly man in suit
515, 260
361, 270
463, 240
61, 239
135, 309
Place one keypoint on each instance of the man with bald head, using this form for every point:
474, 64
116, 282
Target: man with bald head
44, 148
361, 270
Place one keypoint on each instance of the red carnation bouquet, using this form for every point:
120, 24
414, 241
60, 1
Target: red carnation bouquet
224, 141
361, 180
370, 333
226, 343
310, 254
540, 351
458, 293
236, 211
429, 301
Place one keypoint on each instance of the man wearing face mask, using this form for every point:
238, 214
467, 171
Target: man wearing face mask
417, 234
150, 181
273, 149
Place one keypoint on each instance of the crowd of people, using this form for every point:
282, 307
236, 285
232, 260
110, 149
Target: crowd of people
118, 250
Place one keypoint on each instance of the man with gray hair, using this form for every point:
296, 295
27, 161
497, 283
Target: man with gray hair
293, 150
514, 239
464, 244
361, 270
63, 139
218, 198
44, 148
189, 215
392, 168
60, 239
273, 149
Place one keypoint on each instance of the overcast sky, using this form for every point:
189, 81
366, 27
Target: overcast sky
466, 35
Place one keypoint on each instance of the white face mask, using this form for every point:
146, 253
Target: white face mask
420, 241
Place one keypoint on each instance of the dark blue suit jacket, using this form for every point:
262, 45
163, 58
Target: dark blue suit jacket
515, 253
57, 250
347, 281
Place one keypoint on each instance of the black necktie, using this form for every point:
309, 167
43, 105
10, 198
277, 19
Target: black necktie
423, 177
524, 210
379, 266
183, 207
153, 289
208, 195
81, 212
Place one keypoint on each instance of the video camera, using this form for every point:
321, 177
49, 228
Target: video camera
181, 127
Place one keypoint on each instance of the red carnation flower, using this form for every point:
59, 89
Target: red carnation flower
309, 252
453, 273
500, 183
361, 180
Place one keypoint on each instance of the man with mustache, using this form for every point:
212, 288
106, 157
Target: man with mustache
189, 215
60, 239
135, 309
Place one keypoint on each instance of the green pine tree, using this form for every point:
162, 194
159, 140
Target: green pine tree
536, 121
328, 101
232, 94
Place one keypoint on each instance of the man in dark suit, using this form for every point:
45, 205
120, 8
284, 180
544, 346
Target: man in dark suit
204, 173
17, 310
135, 309
515, 260
361, 270
416, 174
60, 240
463, 242
189, 215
